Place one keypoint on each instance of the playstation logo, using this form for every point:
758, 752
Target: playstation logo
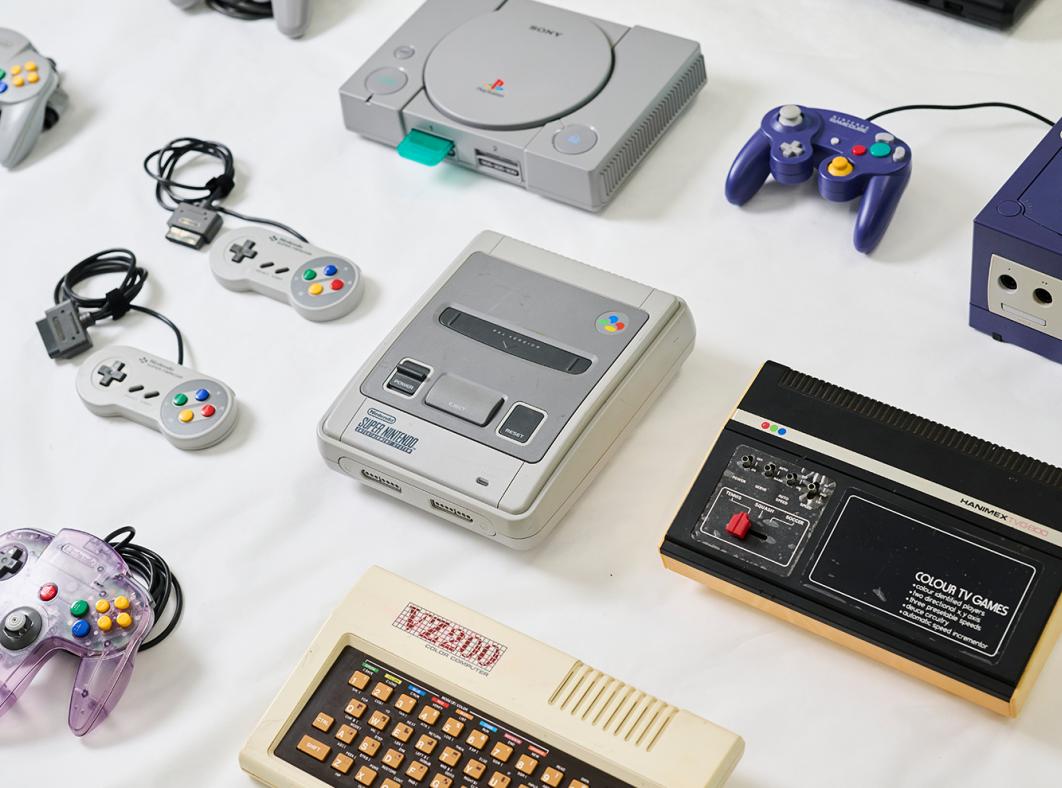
495, 88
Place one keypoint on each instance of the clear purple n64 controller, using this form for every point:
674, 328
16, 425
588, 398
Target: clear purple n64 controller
69, 592
853, 157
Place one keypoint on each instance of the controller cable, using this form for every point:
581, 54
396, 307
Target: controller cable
153, 570
195, 208
64, 327
979, 105
243, 9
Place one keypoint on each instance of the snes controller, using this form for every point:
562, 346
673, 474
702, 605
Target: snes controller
318, 284
69, 592
853, 157
192, 410
31, 100
293, 16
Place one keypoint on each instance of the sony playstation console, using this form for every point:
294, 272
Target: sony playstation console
560, 103
919, 546
991, 13
496, 400
1016, 290
402, 687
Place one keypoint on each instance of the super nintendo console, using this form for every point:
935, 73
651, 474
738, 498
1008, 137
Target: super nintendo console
919, 546
560, 103
403, 687
496, 400
1016, 287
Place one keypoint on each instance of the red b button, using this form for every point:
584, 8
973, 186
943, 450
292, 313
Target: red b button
48, 592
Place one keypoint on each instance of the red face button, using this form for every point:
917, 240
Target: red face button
208, 411
859, 150
337, 284
739, 525
48, 592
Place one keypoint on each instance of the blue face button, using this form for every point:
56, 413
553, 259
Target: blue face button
330, 270
3, 87
202, 395
80, 629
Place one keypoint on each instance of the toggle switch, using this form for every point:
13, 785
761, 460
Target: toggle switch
740, 525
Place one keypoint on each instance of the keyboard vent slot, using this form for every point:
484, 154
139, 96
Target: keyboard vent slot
978, 449
453, 511
634, 149
614, 707
381, 480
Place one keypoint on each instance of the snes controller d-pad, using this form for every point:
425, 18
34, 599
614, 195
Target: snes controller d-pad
853, 157
30, 97
318, 284
69, 592
192, 410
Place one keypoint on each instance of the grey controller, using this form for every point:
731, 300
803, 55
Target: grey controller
319, 285
293, 16
192, 410
30, 97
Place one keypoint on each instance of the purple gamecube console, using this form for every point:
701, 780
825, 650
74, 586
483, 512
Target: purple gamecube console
853, 158
69, 592
1016, 290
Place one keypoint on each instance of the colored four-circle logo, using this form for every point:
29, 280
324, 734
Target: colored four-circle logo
612, 323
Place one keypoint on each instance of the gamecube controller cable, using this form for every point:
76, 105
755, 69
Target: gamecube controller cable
150, 567
194, 208
950, 107
64, 327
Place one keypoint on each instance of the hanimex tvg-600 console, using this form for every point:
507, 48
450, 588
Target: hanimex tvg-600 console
497, 399
917, 545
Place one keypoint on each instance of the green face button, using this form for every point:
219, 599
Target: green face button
880, 150
2, 73
180, 400
79, 608
424, 148
309, 274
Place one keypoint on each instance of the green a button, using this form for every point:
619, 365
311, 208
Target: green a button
79, 608
180, 400
309, 274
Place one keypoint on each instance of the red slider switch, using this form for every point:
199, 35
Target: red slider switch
739, 525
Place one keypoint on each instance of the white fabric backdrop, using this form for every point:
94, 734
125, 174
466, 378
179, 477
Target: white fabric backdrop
266, 540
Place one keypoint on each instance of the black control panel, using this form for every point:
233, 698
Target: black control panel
368, 724
929, 543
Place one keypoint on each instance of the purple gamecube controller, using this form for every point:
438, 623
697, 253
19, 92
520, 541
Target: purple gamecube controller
69, 592
852, 156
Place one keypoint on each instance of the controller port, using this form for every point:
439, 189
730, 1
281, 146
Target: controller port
770, 469
453, 511
1043, 296
813, 490
498, 164
1008, 282
381, 480
792, 479
748, 462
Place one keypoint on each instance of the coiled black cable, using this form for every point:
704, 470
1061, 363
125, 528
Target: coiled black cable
160, 580
161, 165
118, 301
242, 9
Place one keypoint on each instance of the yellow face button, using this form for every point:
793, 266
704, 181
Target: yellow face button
31, 65
840, 166
185, 416
33, 77
16, 70
102, 606
18, 82
104, 623
316, 288
124, 620
122, 603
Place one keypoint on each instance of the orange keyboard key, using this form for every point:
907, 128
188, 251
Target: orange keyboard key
499, 780
358, 680
313, 748
428, 714
393, 758
365, 776
526, 764
323, 722
416, 771
346, 734
475, 769
382, 692
552, 777
501, 752
379, 720
406, 703
450, 756
342, 763
355, 708
369, 746
426, 744
477, 739
453, 727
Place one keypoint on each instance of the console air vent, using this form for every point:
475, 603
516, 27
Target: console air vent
634, 149
609, 704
